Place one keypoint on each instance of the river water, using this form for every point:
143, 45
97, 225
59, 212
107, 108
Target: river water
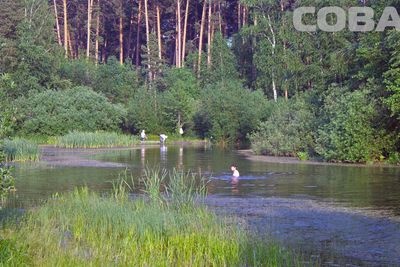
295, 202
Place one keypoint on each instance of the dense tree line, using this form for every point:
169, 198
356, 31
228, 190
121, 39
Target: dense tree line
227, 70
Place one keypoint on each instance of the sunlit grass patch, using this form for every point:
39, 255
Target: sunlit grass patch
95, 140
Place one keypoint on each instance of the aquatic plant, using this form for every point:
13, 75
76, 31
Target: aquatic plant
82, 228
20, 149
96, 139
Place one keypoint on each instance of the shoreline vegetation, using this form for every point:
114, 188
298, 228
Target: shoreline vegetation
167, 225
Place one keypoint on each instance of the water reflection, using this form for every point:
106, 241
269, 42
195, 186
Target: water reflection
163, 155
235, 184
180, 158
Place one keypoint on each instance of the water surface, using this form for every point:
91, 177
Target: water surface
371, 187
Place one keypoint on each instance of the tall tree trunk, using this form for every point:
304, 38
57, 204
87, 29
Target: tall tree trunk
159, 31
239, 16
121, 38
220, 18
65, 28
57, 23
203, 17
71, 49
97, 33
89, 23
179, 36
209, 35
244, 18
272, 41
146, 14
138, 33
185, 33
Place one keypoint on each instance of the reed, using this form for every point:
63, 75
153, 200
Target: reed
19, 149
94, 140
84, 229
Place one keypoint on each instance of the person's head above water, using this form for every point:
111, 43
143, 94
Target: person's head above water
234, 170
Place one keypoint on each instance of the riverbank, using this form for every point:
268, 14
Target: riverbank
250, 155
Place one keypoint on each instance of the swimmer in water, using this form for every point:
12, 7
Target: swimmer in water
235, 171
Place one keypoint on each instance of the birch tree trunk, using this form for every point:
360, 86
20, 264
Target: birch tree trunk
159, 32
272, 41
57, 23
121, 39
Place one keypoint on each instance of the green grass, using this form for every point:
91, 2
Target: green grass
85, 229
19, 149
95, 140
174, 138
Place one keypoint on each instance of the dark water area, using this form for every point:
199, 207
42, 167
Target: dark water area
370, 187
337, 215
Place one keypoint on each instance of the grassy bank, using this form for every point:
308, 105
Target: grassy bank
83, 228
94, 140
19, 149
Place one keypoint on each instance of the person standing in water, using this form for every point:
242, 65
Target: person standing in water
143, 136
235, 172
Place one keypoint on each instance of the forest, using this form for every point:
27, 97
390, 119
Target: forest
231, 71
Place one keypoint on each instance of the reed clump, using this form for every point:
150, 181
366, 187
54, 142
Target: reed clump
96, 139
85, 229
20, 149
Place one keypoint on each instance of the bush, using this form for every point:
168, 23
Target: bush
229, 112
179, 100
346, 132
144, 112
6, 182
394, 158
20, 149
117, 82
287, 130
52, 113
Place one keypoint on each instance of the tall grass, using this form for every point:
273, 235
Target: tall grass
95, 140
83, 228
19, 149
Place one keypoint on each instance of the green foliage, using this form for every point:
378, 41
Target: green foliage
6, 181
228, 112
394, 158
117, 82
303, 156
392, 76
179, 99
82, 228
19, 149
55, 113
94, 140
144, 112
346, 132
223, 63
287, 130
